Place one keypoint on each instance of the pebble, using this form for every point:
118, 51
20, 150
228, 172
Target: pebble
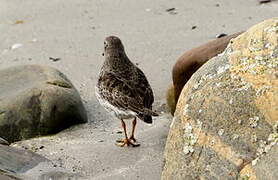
264, 1
15, 46
221, 35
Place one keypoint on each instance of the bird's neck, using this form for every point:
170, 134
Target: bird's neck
116, 60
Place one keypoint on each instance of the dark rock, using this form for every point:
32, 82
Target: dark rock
54, 59
5, 175
264, 1
225, 124
19, 164
221, 35
37, 100
193, 27
18, 160
4, 142
171, 11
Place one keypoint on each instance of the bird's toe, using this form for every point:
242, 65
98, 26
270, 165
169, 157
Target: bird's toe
126, 142
132, 138
120, 140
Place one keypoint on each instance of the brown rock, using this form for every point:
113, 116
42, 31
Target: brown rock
225, 125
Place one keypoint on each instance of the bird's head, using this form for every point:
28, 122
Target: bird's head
112, 43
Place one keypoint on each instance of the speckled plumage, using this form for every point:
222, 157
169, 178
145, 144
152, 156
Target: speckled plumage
122, 88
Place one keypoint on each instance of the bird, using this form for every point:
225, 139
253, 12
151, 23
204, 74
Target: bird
123, 89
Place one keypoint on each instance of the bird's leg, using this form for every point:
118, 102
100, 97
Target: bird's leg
124, 127
133, 130
126, 141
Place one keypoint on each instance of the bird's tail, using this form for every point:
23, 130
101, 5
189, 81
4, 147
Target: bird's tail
150, 112
147, 119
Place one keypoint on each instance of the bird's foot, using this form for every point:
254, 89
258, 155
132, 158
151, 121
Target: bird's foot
132, 138
127, 142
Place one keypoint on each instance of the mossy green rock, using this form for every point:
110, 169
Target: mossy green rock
37, 100
225, 124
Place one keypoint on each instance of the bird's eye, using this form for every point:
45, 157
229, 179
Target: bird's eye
105, 44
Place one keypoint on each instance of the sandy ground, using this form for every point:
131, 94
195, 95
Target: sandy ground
33, 31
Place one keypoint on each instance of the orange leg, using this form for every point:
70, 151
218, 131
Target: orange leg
134, 122
125, 141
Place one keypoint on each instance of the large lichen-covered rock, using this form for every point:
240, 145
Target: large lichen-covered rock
225, 125
37, 100
190, 61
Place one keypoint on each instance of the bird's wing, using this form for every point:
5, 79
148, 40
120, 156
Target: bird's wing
145, 89
123, 94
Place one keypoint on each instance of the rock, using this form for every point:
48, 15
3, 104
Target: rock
16, 163
4, 142
269, 162
37, 100
4, 175
225, 124
170, 99
221, 35
264, 1
18, 160
193, 59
